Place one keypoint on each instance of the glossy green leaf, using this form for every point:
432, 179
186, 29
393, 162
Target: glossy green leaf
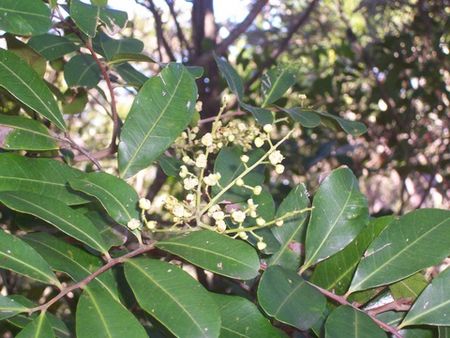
130, 57
18, 256
111, 232
85, 16
24, 17
119, 50
162, 109
22, 133
75, 101
130, 75
214, 252
287, 297
75, 262
231, 76
170, 165
113, 19
9, 307
99, 2
52, 46
336, 272
27, 54
196, 71
228, 163
433, 305
40, 176
306, 118
410, 287
39, 328
118, 198
82, 70
339, 213
347, 322
403, 248
19, 79
241, 318
59, 327
56, 213
100, 315
275, 83
289, 234
262, 115
354, 128
173, 297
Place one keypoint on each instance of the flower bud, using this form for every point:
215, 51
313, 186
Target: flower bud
151, 225
267, 128
133, 224
279, 169
261, 245
243, 235
144, 204
257, 190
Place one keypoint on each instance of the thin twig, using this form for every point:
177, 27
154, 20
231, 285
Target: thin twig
81, 284
403, 304
341, 300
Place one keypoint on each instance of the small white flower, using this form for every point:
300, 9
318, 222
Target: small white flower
144, 204
261, 245
243, 235
267, 128
190, 183
186, 159
207, 139
245, 158
190, 197
199, 106
260, 221
231, 138
238, 216
179, 211
201, 161
133, 224
211, 179
184, 171
241, 126
218, 215
276, 157
259, 142
221, 226
151, 225
279, 169
240, 182
279, 223
257, 190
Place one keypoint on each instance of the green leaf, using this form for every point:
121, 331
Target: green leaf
214, 252
173, 297
162, 109
24, 17
41, 176
75, 262
75, 100
113, 19
100, 315
433, 305
118, 198
275, 83
196, 71
288, 298
56, 213
350, 323
133, 57
228, 163
241, 318
106, 226
130, 75
27, 54
410, 287
85, 16
290, 233
18, 256
99, 2
39, 328
444, 331
354, 128
170, 165
404, 247
9, 307
117, 51
19, 79
82, 70
22, 133
336, 272
262, 115
58, 326
306, 118
52, 46
339, 213
231, 76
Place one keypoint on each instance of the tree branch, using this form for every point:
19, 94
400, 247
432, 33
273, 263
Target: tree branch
341, 300
81, 284
403, 304
235, 33
180, 34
